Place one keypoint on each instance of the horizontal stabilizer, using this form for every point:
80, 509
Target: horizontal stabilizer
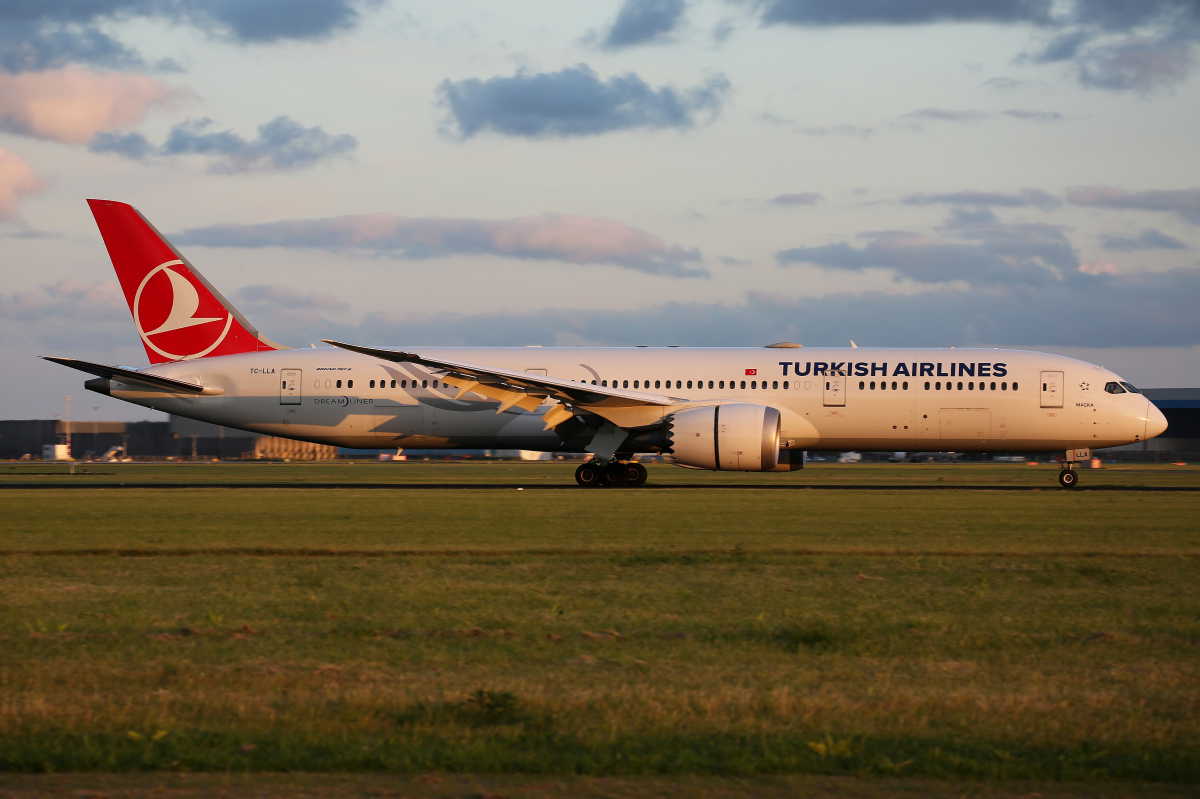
133, 376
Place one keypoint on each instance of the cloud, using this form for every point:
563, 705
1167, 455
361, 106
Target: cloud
1184, 203
1034, 116
947, 115
71, 104
282, 144
549, 237
837, 130
1125, 45
979, 250
1149, 239
70, 298
273, 20
27, 46
17, 180
1138, 310
282, 295
1024, 198
1098, 268
643, 22
36, 36
802, 198
573, 102
829, 13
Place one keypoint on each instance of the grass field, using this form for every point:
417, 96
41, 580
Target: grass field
1004, 629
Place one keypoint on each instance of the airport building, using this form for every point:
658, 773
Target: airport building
187, 439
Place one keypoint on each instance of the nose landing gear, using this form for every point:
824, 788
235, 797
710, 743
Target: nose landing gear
615, 474
1068, 478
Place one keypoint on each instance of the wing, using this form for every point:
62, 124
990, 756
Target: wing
623, 407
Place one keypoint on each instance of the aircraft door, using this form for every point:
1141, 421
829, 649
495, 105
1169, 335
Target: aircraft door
289, 387
1052, 389
835, 390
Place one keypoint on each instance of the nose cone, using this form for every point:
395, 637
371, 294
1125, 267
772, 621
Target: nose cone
1155, 421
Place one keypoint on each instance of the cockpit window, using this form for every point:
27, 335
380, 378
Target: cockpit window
1114, 388
1130, 388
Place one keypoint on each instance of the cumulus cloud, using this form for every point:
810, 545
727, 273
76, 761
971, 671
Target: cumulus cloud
1149, 239
17, 180
1024, 198
573, 102
72, 104
1184, 203
549, 237
642, 22
36, 36
801, 198
282, 144
1125, 45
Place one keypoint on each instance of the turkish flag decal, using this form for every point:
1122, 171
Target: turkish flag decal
751, 371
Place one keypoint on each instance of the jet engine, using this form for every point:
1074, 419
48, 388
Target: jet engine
735, 437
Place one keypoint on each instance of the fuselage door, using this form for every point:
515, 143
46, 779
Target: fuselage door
289, 387
1052, 389
835, 389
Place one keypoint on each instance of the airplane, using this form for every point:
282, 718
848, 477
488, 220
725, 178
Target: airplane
750, 409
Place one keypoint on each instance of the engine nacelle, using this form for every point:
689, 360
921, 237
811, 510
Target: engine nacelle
735, 437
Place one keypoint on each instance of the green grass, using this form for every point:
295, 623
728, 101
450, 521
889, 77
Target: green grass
1041, 635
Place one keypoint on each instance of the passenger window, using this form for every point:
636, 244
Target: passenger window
604, 383
893, 385
689, 384
1043, 386
372, 384
785, 385
862, 384
635, 384
721, 384
883, 385
993, 385
678, 384
960, 385
710, 384
283, 384
339, 384
926, 385
872, 385
1130, 388
906, 385
424, 384
743, 384
774, 384
625, 384
1014, 385
971, 386
753, 384
1004, 386
656, 383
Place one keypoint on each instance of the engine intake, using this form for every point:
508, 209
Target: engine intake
735, 437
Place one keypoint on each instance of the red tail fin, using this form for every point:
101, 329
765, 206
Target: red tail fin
178, 314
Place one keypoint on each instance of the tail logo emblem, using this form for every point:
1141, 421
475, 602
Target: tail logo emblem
185, 301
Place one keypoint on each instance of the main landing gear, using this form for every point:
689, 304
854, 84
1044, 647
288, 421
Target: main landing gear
1067, 478
615, 474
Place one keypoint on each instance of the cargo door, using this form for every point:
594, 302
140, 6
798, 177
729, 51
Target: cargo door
289, 387
835, 390
1052, 389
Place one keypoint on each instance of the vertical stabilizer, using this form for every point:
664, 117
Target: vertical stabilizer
178, 314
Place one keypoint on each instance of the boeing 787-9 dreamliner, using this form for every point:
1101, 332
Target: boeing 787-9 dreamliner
736, 409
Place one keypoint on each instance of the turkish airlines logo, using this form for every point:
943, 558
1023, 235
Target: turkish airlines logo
183, 300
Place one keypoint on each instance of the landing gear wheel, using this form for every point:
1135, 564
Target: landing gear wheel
635, 475
615, 474
1068, 479
589, 475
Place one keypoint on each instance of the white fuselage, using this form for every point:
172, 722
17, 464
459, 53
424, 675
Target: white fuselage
828, 399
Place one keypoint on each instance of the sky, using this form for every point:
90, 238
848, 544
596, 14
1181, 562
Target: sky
933, 173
